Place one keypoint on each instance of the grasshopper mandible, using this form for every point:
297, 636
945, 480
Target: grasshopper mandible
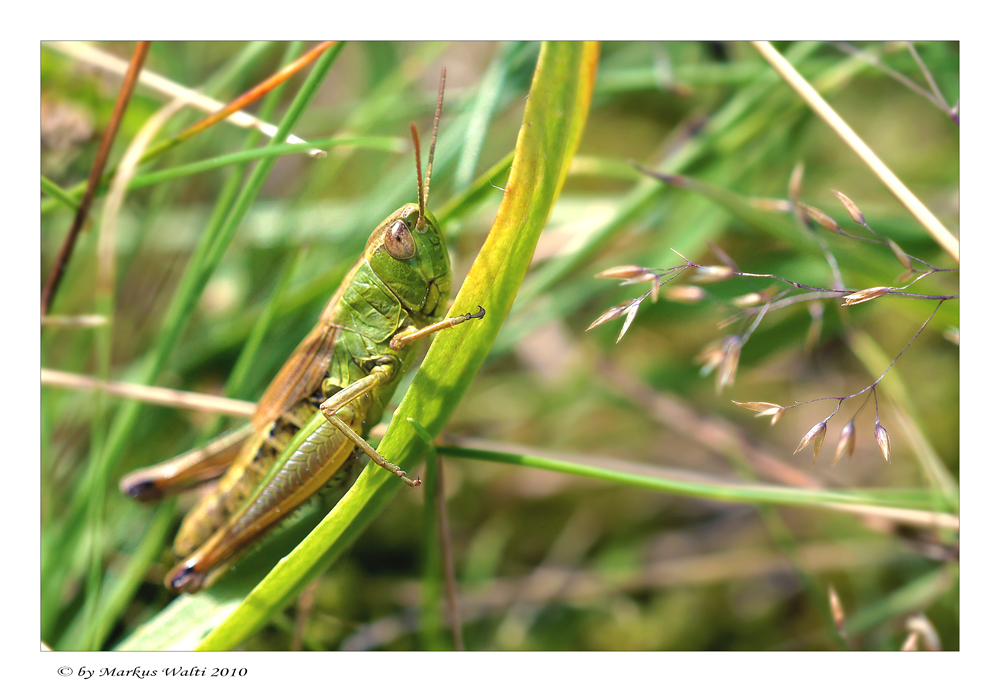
325, 398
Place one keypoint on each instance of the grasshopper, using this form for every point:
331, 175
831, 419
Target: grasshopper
312, 420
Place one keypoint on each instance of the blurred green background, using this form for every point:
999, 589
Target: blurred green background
543, 561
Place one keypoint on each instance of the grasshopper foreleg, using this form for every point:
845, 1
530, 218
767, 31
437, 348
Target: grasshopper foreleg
408, 337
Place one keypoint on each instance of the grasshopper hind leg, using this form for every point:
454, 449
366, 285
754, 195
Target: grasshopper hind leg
304, 469
197, 466
190, 580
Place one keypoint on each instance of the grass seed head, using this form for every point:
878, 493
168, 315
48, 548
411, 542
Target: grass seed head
712, 273
764, 408
610, 314
629, 308
836, 609
816, 435
852, 208
626, 272
848, 436
769, 204
747, 300
710, 357
882, 437
726, 375
823, 219
629, 316
903, 258
685, 294
863, 296
795, 181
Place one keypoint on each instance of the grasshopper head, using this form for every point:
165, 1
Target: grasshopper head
412, 260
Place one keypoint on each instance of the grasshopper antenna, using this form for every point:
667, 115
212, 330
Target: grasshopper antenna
420, 191
434, 136
423, 193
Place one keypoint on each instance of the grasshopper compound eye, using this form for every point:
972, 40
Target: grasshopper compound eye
398, 241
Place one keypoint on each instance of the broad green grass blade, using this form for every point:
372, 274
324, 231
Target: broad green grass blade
553, 123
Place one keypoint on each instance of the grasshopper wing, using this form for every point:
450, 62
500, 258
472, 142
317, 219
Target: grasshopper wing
299, 377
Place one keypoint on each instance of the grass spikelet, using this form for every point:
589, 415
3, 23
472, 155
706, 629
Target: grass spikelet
816, 435
865, 295
852, 208
882, 437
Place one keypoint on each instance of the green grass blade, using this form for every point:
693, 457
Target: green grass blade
721, 491
58, 194
553, 122
393, 144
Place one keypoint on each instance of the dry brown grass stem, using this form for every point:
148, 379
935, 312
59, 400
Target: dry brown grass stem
153, 395
96, 170
448, 564
75, 321
304, 607
909, 517
927, 219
